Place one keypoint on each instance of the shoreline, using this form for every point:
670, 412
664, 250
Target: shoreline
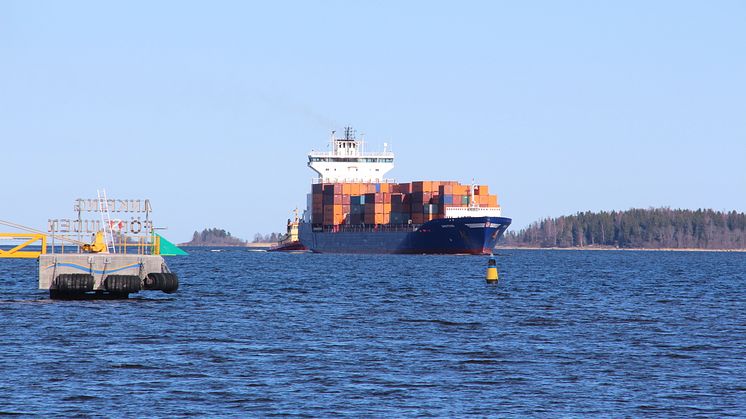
624, 249
250, 245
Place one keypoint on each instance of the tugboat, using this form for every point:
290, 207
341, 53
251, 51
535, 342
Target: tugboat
291, 241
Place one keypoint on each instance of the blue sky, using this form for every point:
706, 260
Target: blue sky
209, 108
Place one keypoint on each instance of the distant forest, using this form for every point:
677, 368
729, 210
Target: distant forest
214, 237
653, 228
267, 238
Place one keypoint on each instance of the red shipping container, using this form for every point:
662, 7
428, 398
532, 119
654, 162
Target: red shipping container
421, 197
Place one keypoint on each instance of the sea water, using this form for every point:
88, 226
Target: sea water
563, 333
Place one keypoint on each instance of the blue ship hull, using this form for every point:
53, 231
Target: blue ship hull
469, 235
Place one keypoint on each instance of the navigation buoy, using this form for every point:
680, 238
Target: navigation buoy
492, 269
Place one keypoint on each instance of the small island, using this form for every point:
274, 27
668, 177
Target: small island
214, 237
653, 228
220, 237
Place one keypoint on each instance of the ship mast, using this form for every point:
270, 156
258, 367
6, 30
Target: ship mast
472, 201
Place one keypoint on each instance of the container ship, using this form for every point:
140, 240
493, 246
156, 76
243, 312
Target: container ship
353, 208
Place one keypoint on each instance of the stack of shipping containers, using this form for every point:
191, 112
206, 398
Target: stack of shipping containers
334, 204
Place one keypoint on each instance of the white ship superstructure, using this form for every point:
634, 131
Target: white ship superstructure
348, 162
473, 210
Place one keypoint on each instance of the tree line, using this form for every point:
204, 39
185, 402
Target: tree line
653, 228
267, 238
214, 237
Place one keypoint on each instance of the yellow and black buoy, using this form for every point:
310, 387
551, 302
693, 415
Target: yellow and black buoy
492, 269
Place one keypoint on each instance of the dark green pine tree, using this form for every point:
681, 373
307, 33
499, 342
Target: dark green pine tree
653, 228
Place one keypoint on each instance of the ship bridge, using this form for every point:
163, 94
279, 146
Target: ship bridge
348, 162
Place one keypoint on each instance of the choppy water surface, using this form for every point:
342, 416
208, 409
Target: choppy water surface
564, 333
